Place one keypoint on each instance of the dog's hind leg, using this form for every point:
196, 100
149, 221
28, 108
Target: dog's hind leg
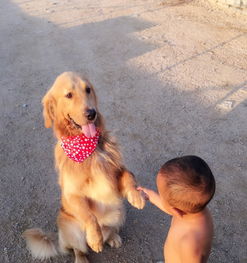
80, 257
64, 246
70, 235
114, 240
111, 237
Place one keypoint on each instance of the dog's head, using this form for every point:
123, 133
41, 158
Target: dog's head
71, 106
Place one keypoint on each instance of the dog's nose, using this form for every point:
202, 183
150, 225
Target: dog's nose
90, 114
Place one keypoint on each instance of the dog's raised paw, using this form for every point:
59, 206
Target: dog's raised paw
136, 199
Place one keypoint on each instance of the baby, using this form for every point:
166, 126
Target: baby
185, 186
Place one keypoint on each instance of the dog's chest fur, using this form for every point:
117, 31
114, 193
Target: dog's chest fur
92, 180
102, 190
96, 187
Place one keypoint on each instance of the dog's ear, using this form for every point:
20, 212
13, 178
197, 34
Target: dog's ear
49, 106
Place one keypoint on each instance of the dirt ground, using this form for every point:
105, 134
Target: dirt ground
171, 77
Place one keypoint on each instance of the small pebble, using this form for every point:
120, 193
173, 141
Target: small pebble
227, 104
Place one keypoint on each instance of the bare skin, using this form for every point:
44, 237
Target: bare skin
190, 235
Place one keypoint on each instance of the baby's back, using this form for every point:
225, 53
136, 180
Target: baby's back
189, 240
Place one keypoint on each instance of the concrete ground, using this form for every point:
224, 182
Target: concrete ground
171, 77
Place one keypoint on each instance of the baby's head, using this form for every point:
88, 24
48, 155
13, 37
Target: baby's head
186, 183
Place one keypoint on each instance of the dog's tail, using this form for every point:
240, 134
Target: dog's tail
41, 245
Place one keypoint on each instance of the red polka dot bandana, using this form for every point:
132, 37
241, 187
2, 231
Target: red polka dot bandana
78, 148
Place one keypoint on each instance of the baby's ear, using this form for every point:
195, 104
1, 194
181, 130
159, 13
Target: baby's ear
49, 107
177, 212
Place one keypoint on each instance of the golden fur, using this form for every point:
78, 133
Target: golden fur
92, 192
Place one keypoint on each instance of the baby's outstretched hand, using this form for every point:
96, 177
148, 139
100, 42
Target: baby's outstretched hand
146, 192
151, 195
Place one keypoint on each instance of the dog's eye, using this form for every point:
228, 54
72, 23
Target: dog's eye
69, 95
88, 90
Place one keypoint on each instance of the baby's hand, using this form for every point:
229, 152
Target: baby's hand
151, 195
145, 192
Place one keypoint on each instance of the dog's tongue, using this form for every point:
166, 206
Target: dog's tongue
89, 130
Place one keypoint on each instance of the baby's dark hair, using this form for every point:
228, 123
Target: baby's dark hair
190, 184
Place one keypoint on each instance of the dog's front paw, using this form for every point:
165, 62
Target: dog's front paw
136, 198
96, 246
95, 239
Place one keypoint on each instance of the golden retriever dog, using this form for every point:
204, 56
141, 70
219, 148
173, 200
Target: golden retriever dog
92, 190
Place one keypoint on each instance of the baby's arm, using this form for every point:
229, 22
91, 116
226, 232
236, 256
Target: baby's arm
153, 197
